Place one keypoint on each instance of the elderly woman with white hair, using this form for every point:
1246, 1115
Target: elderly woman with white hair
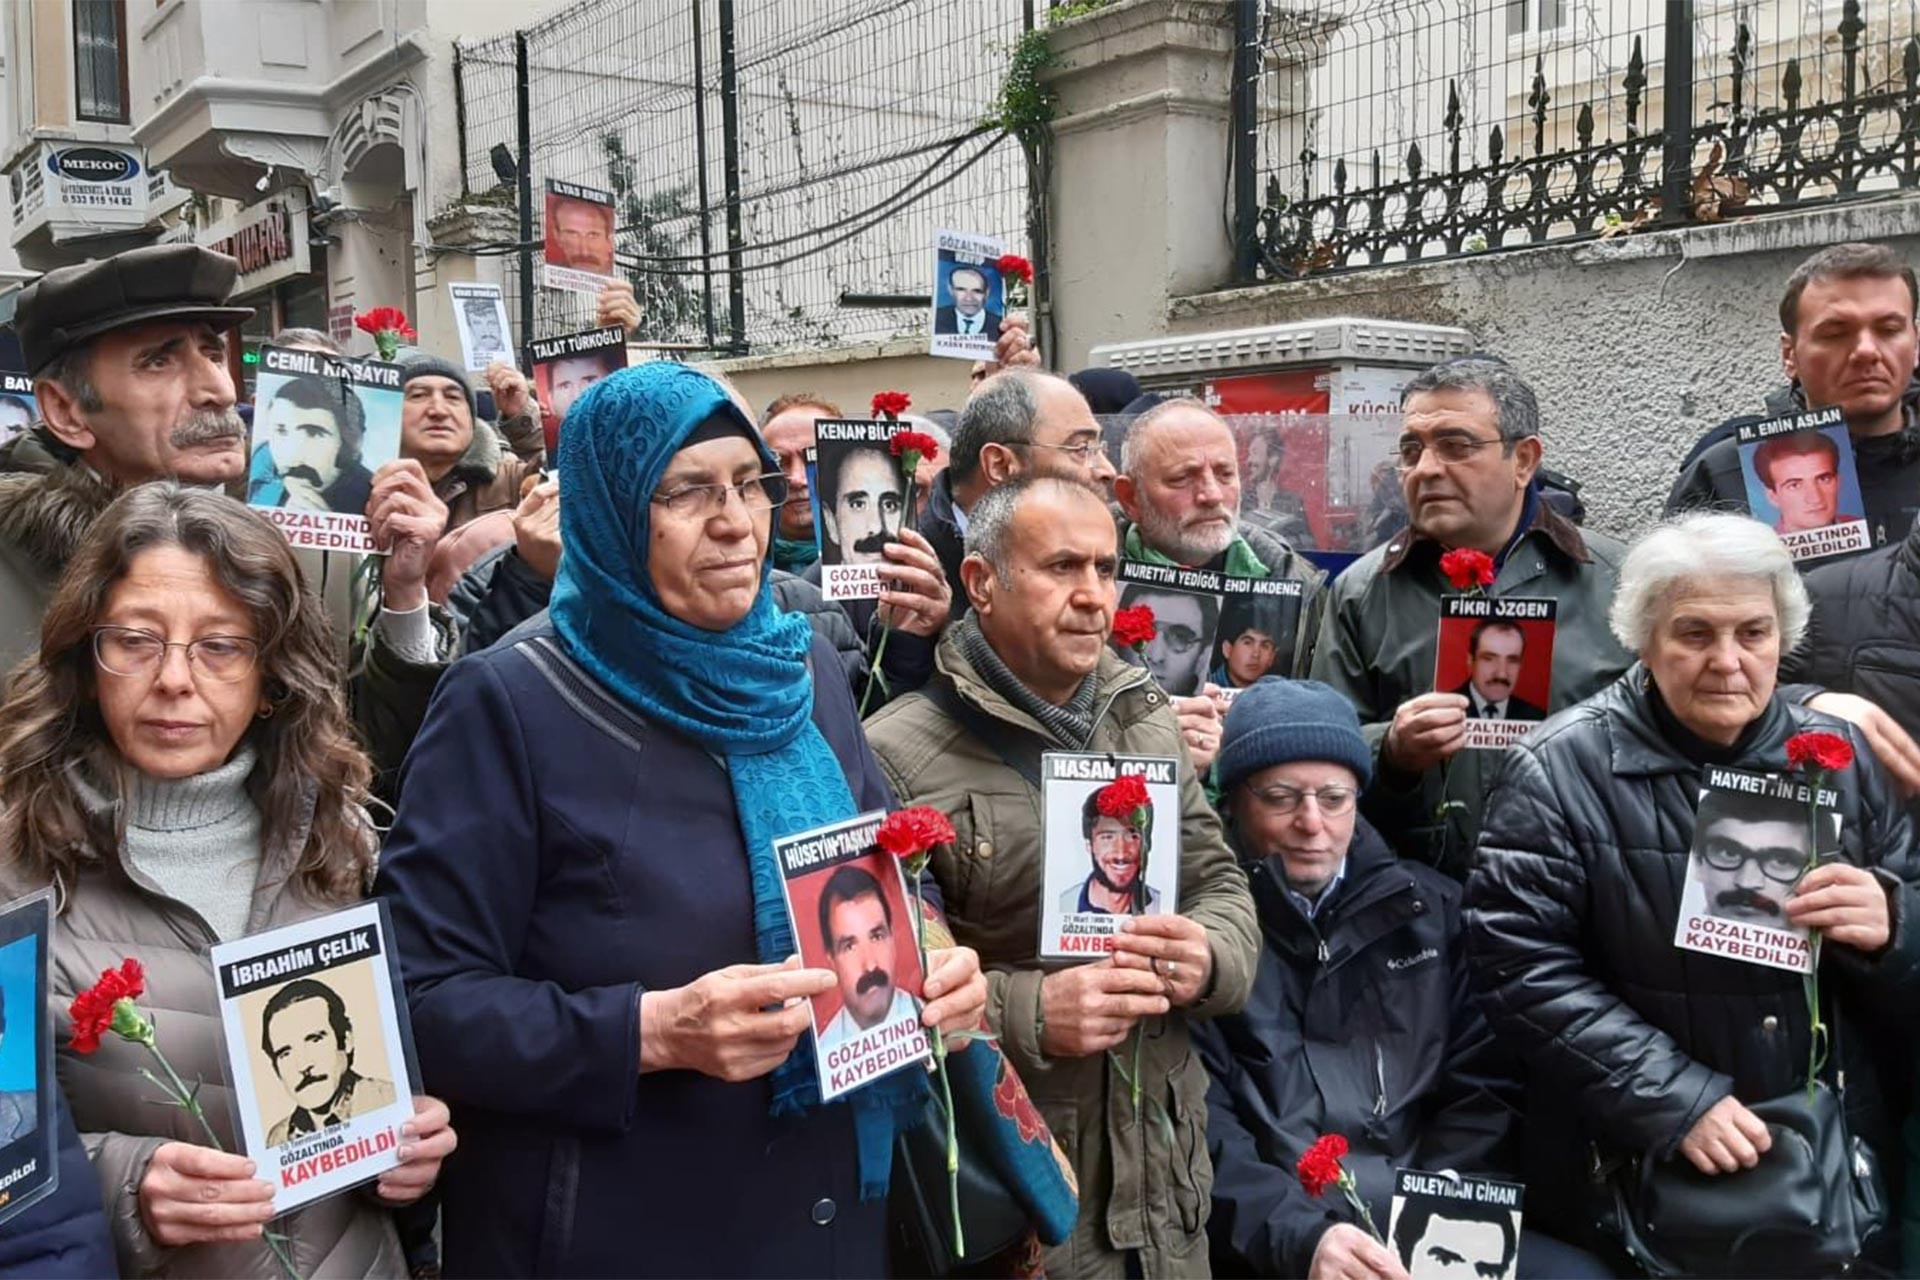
1655, 1056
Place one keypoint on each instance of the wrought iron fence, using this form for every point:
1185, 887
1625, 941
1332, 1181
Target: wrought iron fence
768, 158
1391, 130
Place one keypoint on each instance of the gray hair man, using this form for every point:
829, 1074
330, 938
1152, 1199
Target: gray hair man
1018, 422
1179, 490
1029, 671
1470, 453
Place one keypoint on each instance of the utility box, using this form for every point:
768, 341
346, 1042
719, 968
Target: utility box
1316, 408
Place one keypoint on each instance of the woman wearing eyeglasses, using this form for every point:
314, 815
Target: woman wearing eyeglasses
177, 762
600, 968
1596, 830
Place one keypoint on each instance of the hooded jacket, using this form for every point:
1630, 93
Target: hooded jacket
1571, 910
1379, 647
1144, 1182
1888, 466
1361, 1022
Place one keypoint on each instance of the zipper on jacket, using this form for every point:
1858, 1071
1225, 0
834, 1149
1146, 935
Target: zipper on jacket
1379, 1082
1322, 952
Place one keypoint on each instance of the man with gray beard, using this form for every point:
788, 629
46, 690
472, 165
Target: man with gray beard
1179, 487
129, 362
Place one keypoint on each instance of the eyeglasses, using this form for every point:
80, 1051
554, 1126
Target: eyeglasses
1449, 449
129, 651
756, 493
1781, 866
1179, 638
1332, 801
1082, 453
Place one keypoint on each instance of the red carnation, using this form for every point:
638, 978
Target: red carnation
1467, 568
1320, 1167
93, 1010
1134, 627
918, 443
1827, 751
389, 328
1124, 797
890, 404
913, 833
1015, 267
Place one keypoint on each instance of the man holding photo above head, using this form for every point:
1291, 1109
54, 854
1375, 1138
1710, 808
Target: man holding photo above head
1117, 884
1847, 339
1028, 671
968, 313
856, 925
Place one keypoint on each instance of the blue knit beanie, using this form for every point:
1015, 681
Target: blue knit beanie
1275, 721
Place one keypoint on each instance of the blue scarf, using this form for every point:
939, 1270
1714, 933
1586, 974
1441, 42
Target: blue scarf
744, 694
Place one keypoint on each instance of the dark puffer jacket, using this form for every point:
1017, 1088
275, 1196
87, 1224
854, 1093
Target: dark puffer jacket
1864, 636
1571, 909
1360, 1023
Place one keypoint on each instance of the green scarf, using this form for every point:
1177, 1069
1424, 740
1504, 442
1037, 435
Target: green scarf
1241, 562
794, 554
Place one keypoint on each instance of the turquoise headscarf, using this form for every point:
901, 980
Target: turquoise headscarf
744, 694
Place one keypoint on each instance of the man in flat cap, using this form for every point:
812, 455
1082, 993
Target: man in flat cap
128, 357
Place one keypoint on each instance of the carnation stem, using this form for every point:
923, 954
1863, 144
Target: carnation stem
1817, 1032
940, 1067
874, 679
1351, 1190
185, 1099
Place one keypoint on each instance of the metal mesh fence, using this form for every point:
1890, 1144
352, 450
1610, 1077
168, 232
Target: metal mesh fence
859, 134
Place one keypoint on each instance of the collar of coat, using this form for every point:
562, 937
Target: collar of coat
46, 513
1371, 871
1547, 524
1114, 675
1640, 749
1792, 398
477, 466
1241, 559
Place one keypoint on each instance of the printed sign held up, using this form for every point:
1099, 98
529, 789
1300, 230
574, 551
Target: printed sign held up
859, 501
1448, 1224
1498, 652
480, 314
1105, 861
29, 1160
969, 297
1802, 479
565, 366
579, 238
322, 425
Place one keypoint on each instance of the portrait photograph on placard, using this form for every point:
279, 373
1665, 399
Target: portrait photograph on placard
1454, 1226
852, 914
578, 249
1750, 847
860, 500
566, 366
1802, 479
29, 1163
1498, 653
314, 1026
1186, 614
1111, 839
322, 425
480, 314
969, 296
1258, 621
18, 410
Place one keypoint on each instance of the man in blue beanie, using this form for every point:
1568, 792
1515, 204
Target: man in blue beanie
1360, 1022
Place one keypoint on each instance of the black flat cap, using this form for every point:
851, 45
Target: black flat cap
69, 305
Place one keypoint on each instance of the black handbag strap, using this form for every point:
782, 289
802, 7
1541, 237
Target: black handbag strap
1020, 752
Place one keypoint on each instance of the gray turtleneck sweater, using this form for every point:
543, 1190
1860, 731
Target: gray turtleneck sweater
198, 839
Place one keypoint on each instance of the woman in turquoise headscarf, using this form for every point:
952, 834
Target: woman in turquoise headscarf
597, 956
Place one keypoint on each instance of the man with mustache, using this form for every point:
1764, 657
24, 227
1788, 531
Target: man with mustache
128, 357
1470, 454
308, 455
307, 1036
856, 924
1179, 488
1847, 338
1117, 885
1496, 650
1749, 857
861, 504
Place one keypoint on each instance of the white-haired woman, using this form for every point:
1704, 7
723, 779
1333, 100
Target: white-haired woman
1649, 1049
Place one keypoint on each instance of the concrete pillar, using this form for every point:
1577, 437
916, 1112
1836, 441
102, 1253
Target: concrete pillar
1138, 199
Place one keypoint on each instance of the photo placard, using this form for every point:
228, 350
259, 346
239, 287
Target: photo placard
1448, 1225
480, 314
1259, 618
322, 425
1750, 848
851, 913
1102, 868
18, 409
29, 1090
313, 1019
578, 250
1497, 651
859, 502
969, 297
565, 366
1186, 616
1802, 479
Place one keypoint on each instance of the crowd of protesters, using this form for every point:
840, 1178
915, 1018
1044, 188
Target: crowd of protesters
592, 689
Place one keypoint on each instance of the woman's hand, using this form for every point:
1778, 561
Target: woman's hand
1727, 1139
425, 1141
1844, 902
733, 1024
956, 990
196, 1195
